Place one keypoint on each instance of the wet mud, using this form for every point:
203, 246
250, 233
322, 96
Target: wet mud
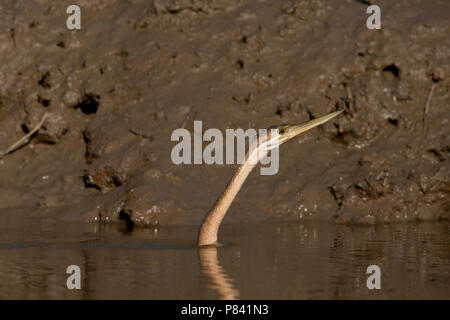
137, 70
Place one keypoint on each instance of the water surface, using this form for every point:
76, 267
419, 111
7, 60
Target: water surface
267, 260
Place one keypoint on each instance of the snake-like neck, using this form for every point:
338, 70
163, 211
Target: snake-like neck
211, 224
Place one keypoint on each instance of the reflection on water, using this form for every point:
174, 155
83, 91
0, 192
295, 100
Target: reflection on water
262, 261
221, 282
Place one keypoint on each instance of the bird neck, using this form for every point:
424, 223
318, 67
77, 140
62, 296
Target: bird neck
211, 224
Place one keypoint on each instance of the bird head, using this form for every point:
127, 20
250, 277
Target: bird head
278, 135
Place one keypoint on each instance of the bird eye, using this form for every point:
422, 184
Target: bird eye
281, 131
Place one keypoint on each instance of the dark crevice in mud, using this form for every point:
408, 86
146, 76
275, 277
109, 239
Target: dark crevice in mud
392, 68
44, 81
363, 191
357, 187
116, 181
179, 10
366, 2
12, 34
103, 177
344, 103
43, 101
89, 157
336, 196
279, 112
436, 76
394, 122
33, 24
340, 135
122, 54
368, 190
437, 154
87, 179
61, 44
24, 127
435, 79
247, 99
282, 108
126, 217
240, 63
141, 26
89, 104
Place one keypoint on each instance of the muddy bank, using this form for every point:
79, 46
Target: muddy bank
136, 71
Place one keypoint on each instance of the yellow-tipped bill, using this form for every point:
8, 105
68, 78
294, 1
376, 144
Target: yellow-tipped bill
294, 130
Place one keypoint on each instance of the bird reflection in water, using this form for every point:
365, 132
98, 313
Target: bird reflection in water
211, 268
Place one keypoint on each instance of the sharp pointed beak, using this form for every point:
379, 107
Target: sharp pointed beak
297, 129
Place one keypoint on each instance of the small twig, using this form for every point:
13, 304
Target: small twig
427, 107
142, 135
349, 94
188, 118
25, 138
12, 33
350, 100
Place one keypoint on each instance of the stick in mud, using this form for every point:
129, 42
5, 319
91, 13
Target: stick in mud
427, 107
25, 138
